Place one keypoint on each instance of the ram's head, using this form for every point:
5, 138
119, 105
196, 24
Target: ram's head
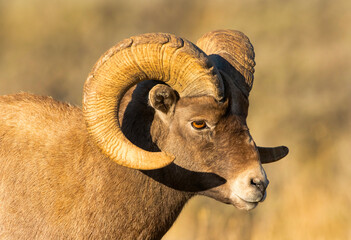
200, 109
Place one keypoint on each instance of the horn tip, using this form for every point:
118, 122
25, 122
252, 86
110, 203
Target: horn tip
285, 150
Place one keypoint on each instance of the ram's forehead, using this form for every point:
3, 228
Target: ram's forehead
205, 106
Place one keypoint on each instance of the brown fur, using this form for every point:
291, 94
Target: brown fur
56, 184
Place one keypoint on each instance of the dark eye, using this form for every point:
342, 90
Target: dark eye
198, 124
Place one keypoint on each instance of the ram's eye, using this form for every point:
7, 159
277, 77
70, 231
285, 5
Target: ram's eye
198, 124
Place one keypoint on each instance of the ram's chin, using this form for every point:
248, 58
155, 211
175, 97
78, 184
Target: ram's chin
233, 199
242, 204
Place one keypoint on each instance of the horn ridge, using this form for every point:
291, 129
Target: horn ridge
232, 53
154, 56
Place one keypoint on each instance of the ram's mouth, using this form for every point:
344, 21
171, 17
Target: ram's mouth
245, 204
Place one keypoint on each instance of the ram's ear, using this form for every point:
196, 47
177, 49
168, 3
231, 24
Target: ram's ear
268, 155
163, 99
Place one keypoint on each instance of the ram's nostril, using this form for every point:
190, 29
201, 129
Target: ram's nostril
258, 184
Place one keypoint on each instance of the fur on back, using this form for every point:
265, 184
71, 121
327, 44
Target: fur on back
54, 182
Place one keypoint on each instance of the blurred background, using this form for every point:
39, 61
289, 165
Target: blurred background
301, 96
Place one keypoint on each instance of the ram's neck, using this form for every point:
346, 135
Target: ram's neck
126, 203
155, 206
136, 206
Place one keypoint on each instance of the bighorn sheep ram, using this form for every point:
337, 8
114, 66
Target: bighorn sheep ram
162, 121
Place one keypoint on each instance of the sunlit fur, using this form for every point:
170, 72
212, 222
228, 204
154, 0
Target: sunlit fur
56, 184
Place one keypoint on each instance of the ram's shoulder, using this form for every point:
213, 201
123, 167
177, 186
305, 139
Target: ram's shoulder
28, 100
34, 105
28, 111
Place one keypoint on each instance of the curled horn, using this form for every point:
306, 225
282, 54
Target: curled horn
164, 57
233, 55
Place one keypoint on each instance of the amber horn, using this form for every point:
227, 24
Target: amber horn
233, 55
163, 57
